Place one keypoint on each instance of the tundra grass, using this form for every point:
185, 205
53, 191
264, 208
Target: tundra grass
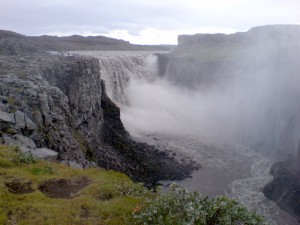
109, 198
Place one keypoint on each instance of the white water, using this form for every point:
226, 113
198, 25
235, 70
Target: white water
117, 69
155, 112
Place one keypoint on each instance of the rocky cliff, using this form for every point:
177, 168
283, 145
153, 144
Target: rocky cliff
59, 104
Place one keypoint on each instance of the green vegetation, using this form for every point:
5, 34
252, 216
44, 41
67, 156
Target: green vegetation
10, 100
80, 140
108, 198
83, 145
10, 131
26, 158
38, 170
104, 197
183, 207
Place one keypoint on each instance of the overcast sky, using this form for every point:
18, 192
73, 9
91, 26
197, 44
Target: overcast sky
143, 21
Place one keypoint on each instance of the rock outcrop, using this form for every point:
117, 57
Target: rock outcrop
285, 187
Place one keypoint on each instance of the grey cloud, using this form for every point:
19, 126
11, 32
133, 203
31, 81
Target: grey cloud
35, 17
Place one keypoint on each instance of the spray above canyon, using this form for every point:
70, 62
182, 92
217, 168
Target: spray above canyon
241, 87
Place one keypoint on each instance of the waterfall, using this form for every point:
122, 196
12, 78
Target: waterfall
117, 69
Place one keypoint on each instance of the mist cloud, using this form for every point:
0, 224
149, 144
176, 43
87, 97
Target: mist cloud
257, 106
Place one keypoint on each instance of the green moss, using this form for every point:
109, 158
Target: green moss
103, 201
41, 170
10, 100
45, 132
6, 163
3, 217
26, 158
83, 146
80, 140
10, 131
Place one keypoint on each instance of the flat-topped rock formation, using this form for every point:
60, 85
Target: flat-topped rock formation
254, 35
13, 44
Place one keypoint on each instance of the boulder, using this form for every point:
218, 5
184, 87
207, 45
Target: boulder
285, 187
44, 153
72, 164
5, 120
5, 117
22, 121
29, 124
19, 120
76, 165
19, 140
25, 149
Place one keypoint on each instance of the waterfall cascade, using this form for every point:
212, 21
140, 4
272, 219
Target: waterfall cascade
117, 69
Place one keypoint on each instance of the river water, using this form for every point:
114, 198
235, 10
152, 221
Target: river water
226, 168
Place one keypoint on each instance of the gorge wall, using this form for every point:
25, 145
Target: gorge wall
65, 100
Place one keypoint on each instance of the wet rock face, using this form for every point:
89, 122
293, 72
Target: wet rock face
285, 187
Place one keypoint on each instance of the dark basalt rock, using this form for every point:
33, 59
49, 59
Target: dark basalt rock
285, 187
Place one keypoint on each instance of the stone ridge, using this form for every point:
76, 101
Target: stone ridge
254, 35
12, 43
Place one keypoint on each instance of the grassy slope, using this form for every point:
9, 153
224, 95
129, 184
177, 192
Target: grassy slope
109, 198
